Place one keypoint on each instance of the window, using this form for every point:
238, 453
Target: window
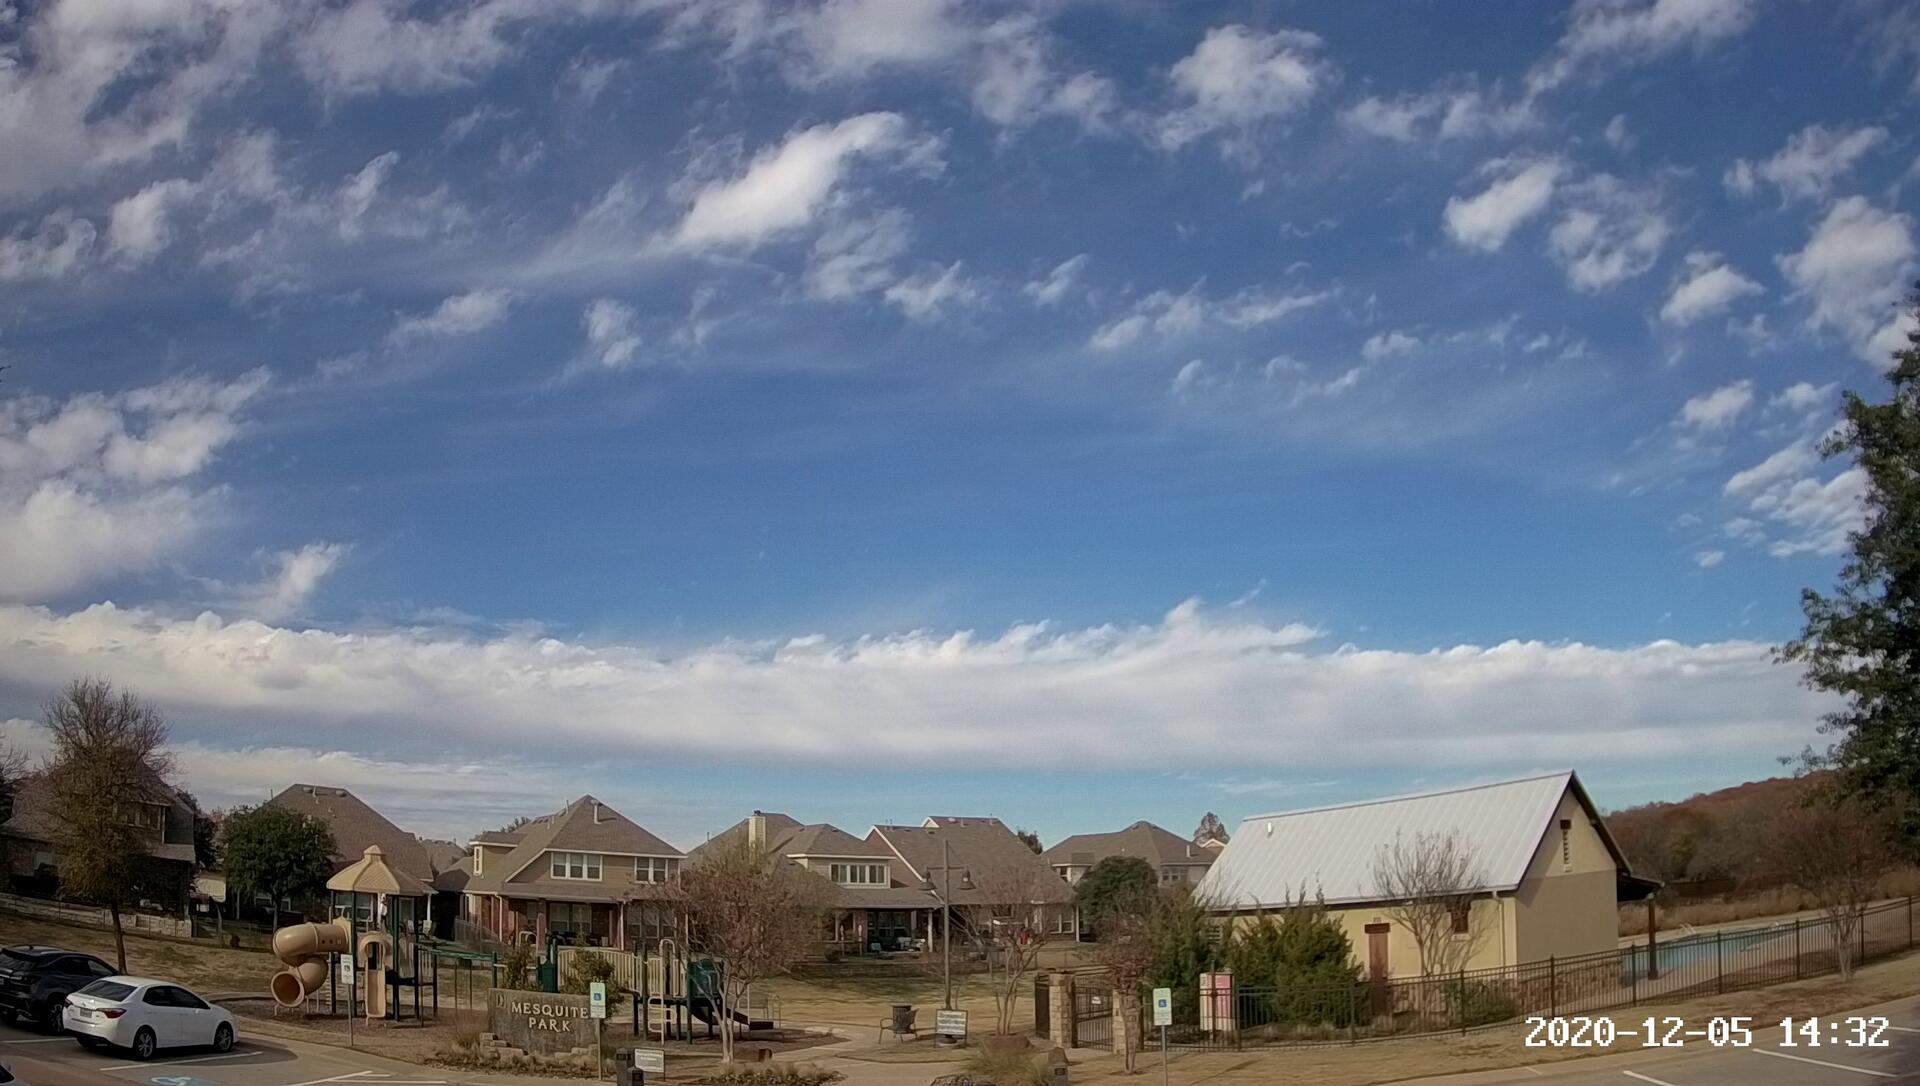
158, 996
478, 854
97, 968
1169, 874
1566, 844
1462, 917
576, 865
111, 990
655, 869
858, 874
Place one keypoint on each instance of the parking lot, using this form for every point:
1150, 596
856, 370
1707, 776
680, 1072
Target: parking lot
44, 1060
1765, 1063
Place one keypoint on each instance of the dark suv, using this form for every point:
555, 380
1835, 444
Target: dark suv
36, 980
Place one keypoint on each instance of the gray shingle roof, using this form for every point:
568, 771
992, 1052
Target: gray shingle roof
33, 819
355, 825
524, 872
985, 852
1143, 840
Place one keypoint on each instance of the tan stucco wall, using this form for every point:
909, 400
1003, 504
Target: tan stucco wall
1492, 920
1567, 903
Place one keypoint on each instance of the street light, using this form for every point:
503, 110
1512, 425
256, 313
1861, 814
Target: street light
945, 898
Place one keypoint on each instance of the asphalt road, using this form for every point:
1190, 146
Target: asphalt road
1765, 1063
44, 1060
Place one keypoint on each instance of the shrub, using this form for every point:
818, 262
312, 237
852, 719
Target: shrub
516, 967
1478, 1003
777, 1074
1005, 1067
586, 968
1305, 963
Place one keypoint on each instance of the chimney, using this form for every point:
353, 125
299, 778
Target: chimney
756, 831
596, 812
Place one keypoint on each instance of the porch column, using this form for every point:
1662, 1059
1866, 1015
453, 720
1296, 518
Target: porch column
620, 929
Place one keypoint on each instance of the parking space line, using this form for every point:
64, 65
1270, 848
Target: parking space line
182, 1059
1646, 1078
336, 1078
1821, 1063
1903, 1029
36, 1041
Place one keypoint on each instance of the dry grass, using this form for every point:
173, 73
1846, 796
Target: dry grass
1777, 904
864, 1002
1389, 1061
201, 966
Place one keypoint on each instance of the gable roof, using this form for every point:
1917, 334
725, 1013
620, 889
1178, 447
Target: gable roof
585, 825
779, 827
1331, 850
826, 839
1143, 840
985, 853
355, 825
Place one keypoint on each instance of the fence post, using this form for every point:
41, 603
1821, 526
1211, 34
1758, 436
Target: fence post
1460, 1002
1862, 921
1633, 973
1353, 1017
1797, 925
1719, 963
1909, 921
1553, 989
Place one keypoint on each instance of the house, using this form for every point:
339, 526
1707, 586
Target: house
989, 875
30, 834
1550, 875
355, 825
876, 903
1177, 861
585, 872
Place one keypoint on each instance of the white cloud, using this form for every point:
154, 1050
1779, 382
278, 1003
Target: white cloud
1789, 463
140, 228
57, 249
364, 47
784, 187
1053, 287
931, 291
1852, 271
1807, 167
1617, 34
1608, 234
1799, 513
1707, 559
1618, 135
854, 256
287, 589
1018, 84
850, 38
612, 336
1709, 286
1238, 78
1521, 192
1167, 315
95, 487
1387, 344
1718, 409
458, 315
1118, 694
1802, 396
1448, 112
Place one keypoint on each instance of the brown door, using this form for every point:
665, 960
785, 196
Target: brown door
1377, 969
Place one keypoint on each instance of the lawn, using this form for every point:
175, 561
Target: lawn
201, 966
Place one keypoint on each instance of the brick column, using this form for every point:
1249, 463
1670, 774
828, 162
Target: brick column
1126, 1024
1060, 1024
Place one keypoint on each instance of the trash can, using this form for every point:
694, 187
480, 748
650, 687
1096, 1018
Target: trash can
547, 976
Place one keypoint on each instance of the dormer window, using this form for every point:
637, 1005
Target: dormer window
478, 854
576, 865
858, 874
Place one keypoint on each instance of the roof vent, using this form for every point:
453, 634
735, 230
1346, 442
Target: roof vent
596, 812
1269, 829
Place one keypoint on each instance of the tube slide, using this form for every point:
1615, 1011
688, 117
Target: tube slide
703, 1009
305, 950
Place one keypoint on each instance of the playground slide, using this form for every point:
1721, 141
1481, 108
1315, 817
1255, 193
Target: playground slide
702, 1008
373, 957
305, 950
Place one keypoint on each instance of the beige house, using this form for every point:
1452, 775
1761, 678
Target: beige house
1551, 874
584, 873
1176, 860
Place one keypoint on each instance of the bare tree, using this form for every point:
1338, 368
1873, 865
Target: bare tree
13, 767
1428, 882
1025, 900
108, 767
756, 912
1129, 949
1833, 850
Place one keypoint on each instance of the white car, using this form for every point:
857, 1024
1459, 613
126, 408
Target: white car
144, 1016
8, 1078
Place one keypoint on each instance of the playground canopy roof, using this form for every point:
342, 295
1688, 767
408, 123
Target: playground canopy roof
371, 874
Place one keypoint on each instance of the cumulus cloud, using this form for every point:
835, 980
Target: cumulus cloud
1165, 315
1851, 273
1609, 233
96, 486
1520, 192
1709, 286
1451, 111
1019, 83
855, 255
1793, 510
140, 226
612, 334
1238, 78
1718, 409
458, 315
1115, 694
1387, 344
1802, 396
57, 248
1606, 35
1807, 167
292, 579
784, 187
1790, 463
1707, 559
931, 291
1052, 288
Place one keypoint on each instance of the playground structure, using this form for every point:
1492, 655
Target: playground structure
382, 915
682, 988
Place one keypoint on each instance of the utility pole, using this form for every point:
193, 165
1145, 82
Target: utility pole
946, 918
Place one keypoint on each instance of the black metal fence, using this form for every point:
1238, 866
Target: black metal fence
1682, 967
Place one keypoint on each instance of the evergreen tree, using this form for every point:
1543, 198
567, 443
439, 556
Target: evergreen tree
1117, 883
1188, 942
1863, 641
1302, 958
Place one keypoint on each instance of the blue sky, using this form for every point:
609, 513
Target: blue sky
1074, 412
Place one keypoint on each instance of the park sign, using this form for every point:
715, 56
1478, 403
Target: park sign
1163, 1006
950, 1023
541, 1023
597, 999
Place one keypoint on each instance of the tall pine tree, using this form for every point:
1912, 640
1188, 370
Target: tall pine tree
1862, 642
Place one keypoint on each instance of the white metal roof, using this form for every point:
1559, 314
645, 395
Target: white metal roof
1330, 851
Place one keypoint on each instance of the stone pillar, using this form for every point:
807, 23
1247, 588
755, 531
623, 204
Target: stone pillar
1060, 1024
1126, 1025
